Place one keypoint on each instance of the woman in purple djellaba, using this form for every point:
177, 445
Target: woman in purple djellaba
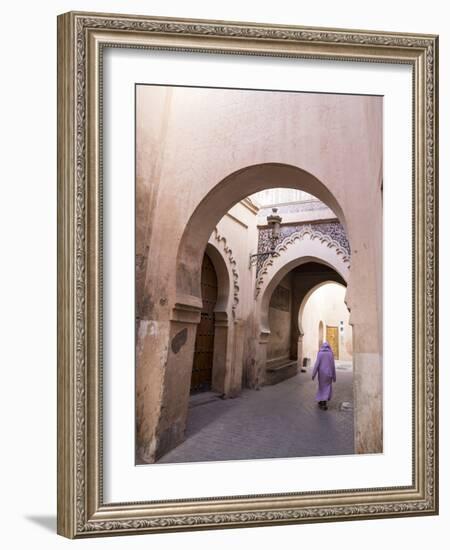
326, 371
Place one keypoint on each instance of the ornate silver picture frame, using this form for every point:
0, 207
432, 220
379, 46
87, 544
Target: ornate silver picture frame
83, 511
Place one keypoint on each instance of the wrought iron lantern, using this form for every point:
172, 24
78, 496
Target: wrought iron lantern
274, 222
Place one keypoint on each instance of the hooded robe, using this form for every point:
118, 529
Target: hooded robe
326, 371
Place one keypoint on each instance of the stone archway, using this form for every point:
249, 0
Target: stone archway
185, 297
203, 365
300, 248
227, 358
186, 303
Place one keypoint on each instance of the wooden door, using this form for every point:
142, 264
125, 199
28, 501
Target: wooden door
333, 340
204, 340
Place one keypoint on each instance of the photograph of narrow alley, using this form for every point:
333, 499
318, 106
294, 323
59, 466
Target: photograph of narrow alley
258, 274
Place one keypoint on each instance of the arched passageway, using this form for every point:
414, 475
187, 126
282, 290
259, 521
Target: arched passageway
213, 349
224, 360
185, 308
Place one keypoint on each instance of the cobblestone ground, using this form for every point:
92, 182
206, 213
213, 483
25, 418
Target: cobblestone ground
274, 422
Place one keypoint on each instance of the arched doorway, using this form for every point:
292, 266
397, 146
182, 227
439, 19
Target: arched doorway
214, 207
214, 353
201, 379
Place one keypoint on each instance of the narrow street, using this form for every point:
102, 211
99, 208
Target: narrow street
277, 421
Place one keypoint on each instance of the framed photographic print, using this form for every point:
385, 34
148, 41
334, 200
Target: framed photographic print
247, 284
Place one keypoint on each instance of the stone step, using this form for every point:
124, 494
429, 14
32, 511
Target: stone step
203, 398
285, 364
277, 371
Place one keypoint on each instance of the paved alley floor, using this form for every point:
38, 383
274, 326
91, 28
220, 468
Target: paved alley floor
274, 422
